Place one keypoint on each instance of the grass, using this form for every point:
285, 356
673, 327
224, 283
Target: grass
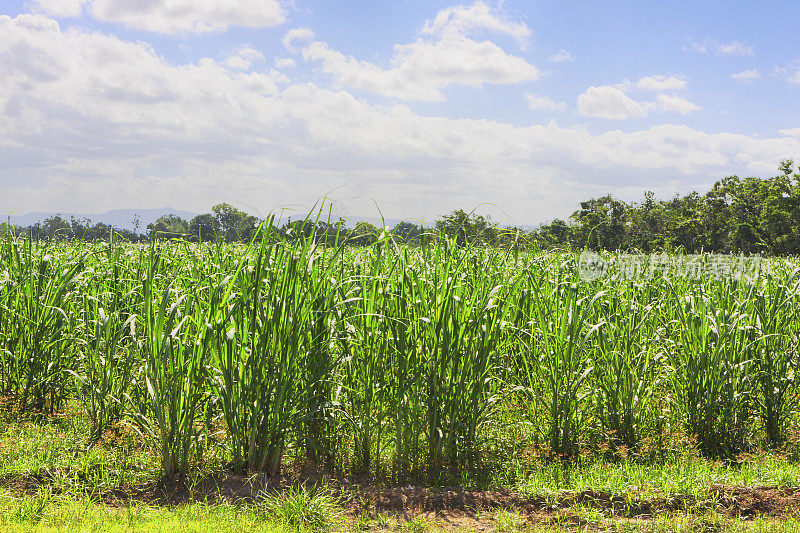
691, 476
312, 509
61, 514
70, 482
53, 451
57, 514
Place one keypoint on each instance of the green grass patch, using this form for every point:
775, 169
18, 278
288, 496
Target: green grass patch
695, 477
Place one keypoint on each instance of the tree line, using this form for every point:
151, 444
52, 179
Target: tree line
750, 215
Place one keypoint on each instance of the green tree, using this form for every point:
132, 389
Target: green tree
466, 227
169, 227
786, 167
556, 234
234, 225
55, 226
646, 225
685, 223
364, 234
204, 227
600, 223
407, 231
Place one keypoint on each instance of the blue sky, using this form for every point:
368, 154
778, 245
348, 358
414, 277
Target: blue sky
418, 108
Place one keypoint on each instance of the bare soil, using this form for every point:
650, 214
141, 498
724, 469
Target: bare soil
454, 504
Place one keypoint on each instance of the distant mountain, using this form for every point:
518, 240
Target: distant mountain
119, 218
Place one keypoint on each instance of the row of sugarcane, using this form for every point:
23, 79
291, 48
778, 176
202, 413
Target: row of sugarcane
390, 357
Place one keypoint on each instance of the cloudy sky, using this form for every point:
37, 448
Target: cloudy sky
413, 107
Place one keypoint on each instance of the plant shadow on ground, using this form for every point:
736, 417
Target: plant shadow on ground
453, 504
44, 458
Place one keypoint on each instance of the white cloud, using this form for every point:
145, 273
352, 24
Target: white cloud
735, 48
91, 122
59, 8
237, 62
463, 20
296, 35
248, 52
284, 62
72, 74
788, 71
538, 102
667, 103
699, 46
243, 58
709, 45
562, 56
174, 16
419, 70
747, 76
609, 102
612, 102
661, 83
